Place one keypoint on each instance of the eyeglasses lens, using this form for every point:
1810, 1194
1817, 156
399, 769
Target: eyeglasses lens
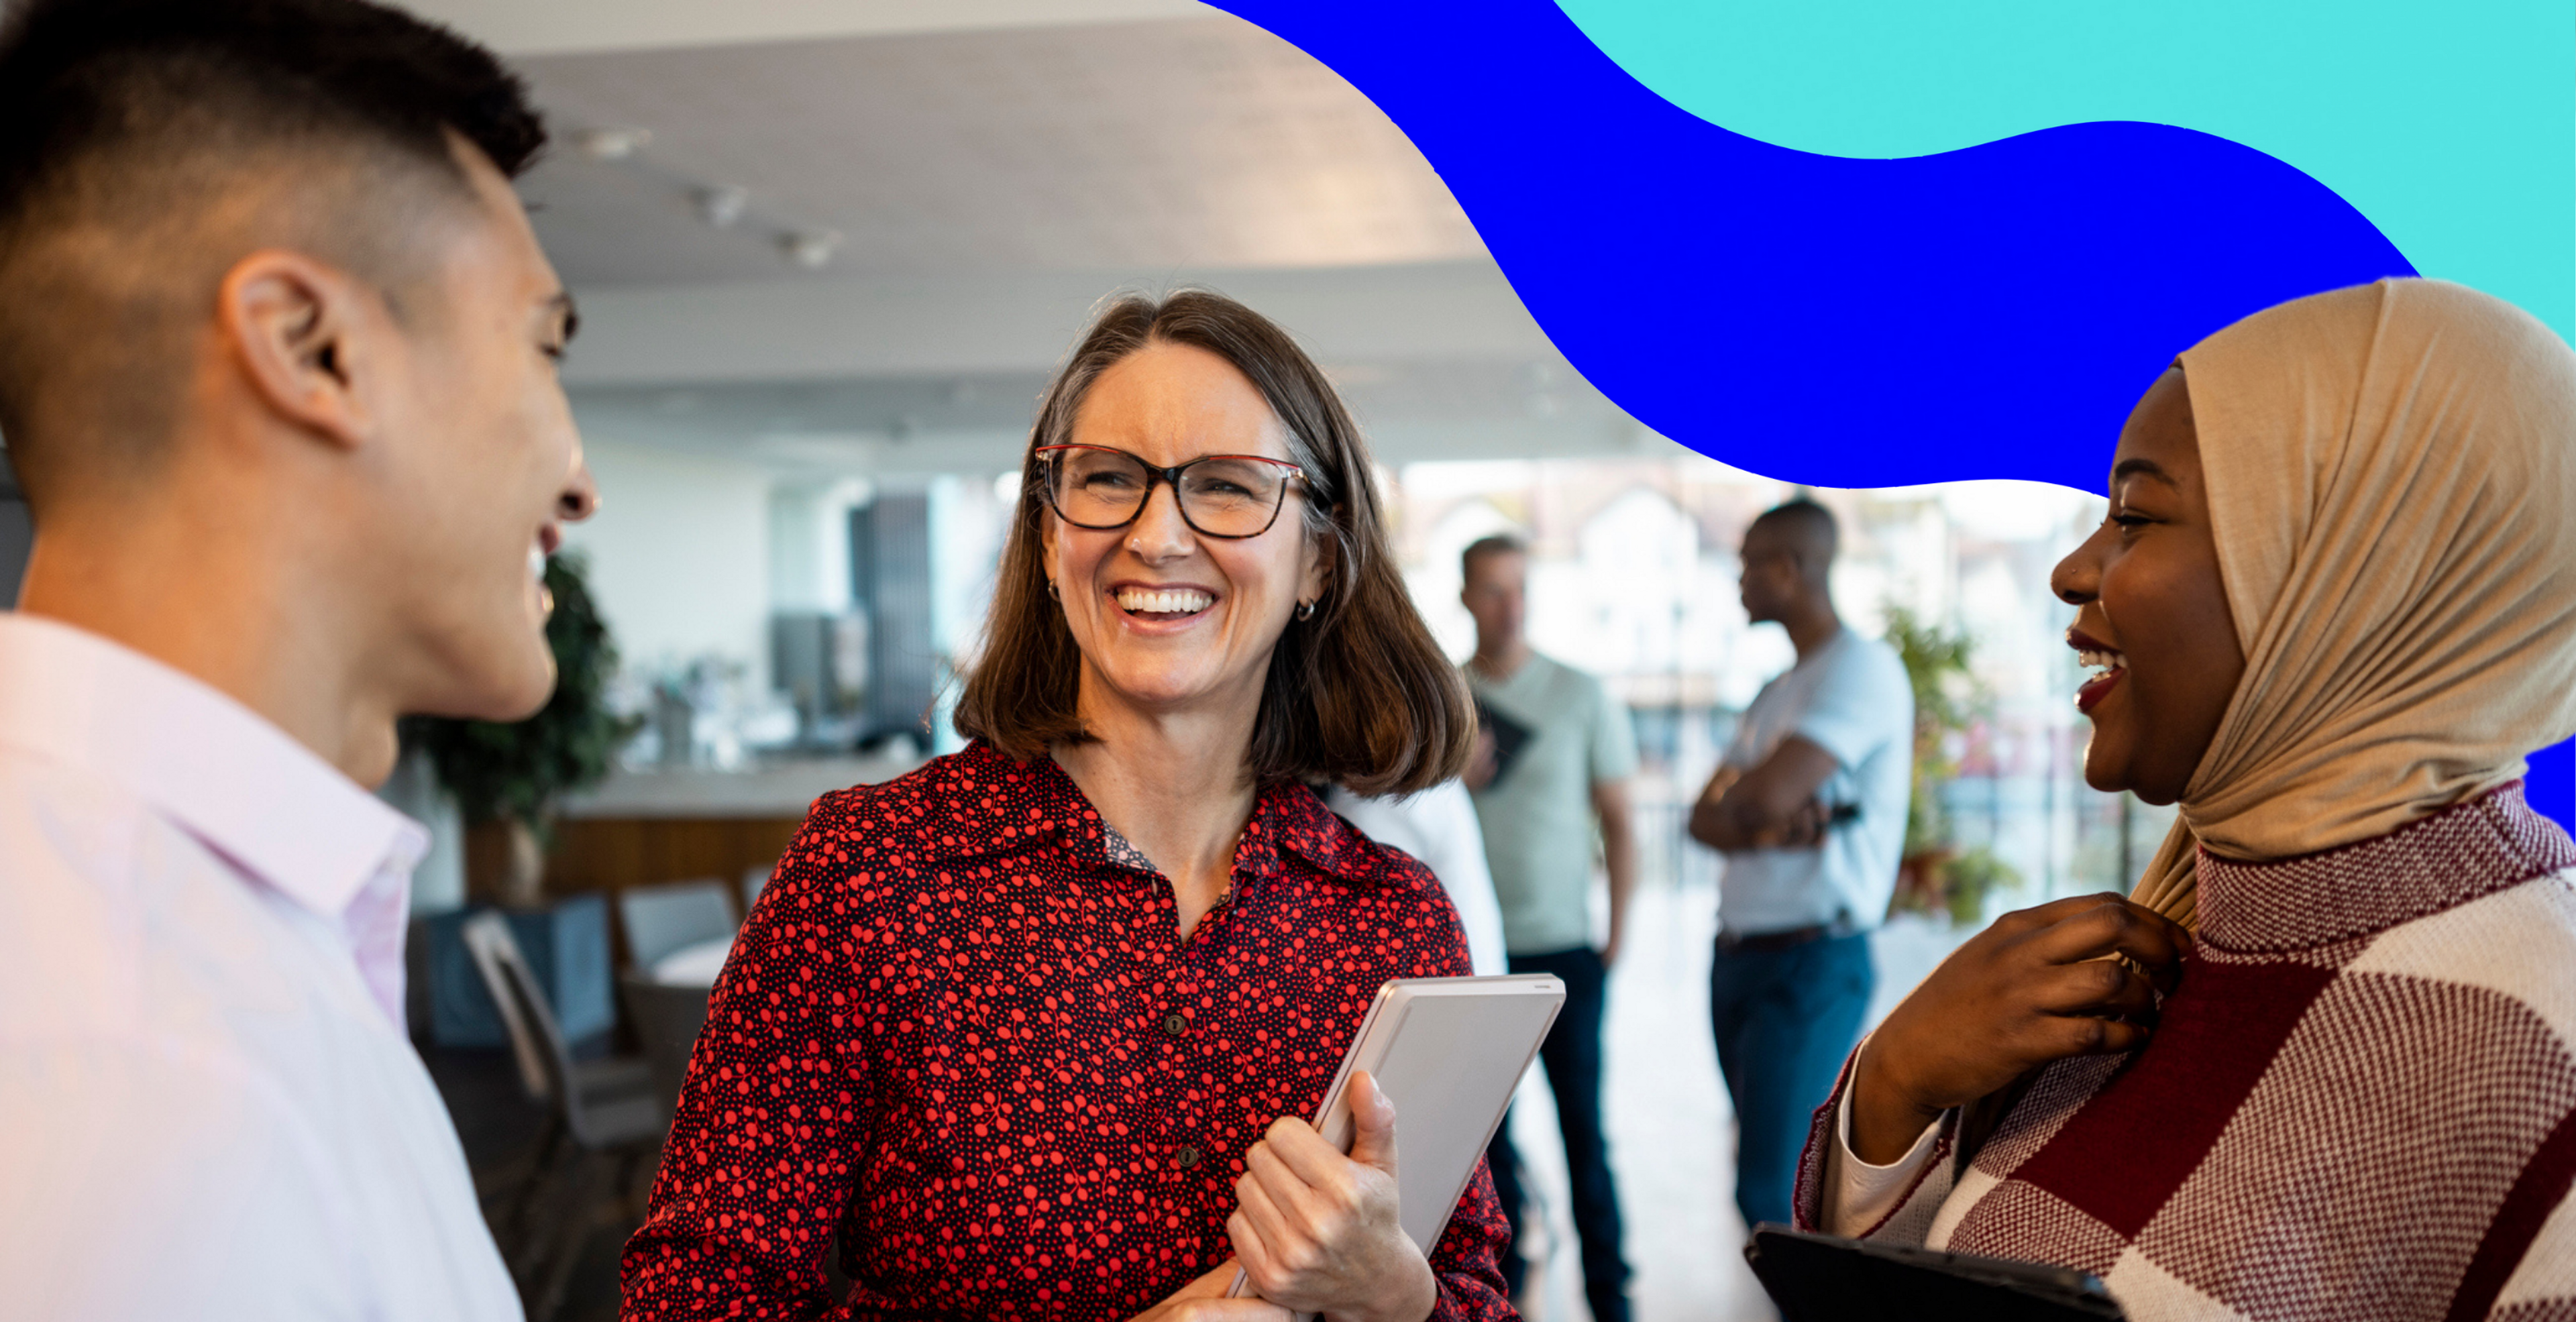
1219, 496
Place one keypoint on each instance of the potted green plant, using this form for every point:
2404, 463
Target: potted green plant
1934, 876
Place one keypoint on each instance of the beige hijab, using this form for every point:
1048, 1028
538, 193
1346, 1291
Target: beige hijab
2392, 479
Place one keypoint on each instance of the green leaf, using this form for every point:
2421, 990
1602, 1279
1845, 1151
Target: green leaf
1947, 700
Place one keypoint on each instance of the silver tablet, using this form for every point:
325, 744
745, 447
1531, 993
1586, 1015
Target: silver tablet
1448, 1052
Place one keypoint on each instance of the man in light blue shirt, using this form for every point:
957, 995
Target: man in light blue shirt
1809, 808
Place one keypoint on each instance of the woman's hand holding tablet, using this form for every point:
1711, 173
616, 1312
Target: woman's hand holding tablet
1319, 1231
1316, 1232
1313, 1226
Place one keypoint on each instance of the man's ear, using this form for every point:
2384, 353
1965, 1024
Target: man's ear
299, 329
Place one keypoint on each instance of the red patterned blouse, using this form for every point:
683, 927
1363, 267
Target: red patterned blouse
961, 1031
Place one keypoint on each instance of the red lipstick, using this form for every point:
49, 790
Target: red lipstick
2098, 653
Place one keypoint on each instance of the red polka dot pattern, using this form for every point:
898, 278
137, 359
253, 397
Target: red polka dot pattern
960, 1029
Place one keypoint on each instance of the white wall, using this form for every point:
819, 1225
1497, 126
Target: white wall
809, 542
679, 556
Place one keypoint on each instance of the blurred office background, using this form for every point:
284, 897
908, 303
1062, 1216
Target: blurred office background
827, 256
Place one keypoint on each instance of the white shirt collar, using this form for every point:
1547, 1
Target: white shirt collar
238, 783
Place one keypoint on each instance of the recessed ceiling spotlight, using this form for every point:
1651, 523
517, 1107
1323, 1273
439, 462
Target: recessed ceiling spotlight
721, 205
810, 248
611, 144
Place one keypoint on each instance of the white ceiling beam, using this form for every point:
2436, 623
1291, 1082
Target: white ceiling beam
563, 27
789, 329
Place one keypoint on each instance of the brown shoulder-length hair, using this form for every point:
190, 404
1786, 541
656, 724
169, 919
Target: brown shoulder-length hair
1359, 694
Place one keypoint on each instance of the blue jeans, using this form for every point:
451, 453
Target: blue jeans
1572, 1054
1785, 1020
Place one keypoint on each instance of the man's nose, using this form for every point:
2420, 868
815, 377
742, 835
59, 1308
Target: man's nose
580, 498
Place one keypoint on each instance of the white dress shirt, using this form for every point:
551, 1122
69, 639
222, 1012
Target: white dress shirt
1857, 1195
208, 1104
1438, 827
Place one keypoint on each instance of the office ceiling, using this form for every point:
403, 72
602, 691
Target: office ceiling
987, 169
1149, 146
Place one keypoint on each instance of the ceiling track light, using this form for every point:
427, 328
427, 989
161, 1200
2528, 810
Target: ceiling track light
611, 144
809, 248
721, 205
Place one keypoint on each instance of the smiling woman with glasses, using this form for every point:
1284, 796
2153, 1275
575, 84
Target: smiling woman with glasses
1031, 1030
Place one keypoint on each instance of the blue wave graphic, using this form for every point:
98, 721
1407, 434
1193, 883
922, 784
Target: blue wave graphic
1987, 312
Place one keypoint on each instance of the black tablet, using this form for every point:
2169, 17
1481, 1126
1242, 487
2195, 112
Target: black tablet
1510, 736
1826, 1278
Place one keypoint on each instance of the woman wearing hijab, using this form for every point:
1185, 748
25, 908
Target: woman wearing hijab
2333, 606
1029, 1032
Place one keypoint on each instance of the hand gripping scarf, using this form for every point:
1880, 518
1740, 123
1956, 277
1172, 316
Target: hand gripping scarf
2392, 478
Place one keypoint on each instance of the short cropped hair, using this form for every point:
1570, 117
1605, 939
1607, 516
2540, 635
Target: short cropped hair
1358, 695
125, 124
1501, 543
1811, 526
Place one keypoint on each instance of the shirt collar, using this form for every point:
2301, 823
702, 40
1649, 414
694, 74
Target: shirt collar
1284, 817
1317, 834
230, 778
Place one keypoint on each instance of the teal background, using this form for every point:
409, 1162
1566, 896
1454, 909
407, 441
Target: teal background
2452, 127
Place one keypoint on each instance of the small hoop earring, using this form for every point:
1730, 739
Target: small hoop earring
1053, 592
1305, 610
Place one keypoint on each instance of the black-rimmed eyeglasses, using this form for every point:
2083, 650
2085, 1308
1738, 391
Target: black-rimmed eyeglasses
1221, 495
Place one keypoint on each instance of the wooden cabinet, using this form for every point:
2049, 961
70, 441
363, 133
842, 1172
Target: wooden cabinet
611, 853
640, 828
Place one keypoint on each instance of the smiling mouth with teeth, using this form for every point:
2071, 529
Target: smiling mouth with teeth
1163, 601
2102, 661
2109, 667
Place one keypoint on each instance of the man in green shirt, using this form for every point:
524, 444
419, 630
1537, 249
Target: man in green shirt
1555, 754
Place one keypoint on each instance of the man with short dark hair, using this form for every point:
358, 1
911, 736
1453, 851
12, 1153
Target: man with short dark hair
1554, 754
1809, 807
277, 373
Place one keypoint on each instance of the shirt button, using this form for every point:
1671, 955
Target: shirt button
1187, 1157
1175, 1026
